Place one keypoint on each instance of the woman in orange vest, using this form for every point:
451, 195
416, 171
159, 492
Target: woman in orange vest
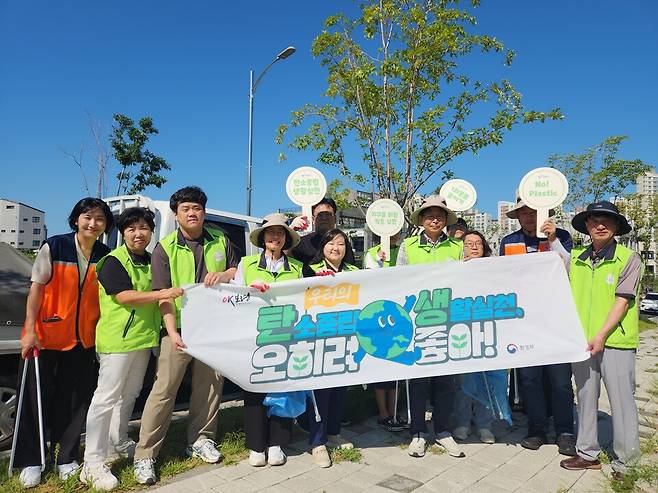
60, 320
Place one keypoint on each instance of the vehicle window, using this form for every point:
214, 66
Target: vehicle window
234, 231
651, 296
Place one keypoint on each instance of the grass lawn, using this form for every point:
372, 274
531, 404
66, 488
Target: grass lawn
173, 461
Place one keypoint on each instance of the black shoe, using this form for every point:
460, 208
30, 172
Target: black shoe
533, 441
389, 425
401, 421
566, 444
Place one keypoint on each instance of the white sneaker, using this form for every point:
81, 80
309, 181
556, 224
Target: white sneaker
461, 432
67, 470
257, 459
417, 446
276, 456
338, 441
144, 471
98, 476
205, 449
30, 476
448, 444
486, 436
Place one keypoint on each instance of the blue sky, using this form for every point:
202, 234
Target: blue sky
187, 65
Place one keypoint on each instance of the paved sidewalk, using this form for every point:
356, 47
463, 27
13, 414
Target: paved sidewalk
386, 467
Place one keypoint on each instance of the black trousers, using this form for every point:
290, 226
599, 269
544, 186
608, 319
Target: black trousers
263, 431
442, 398
68, 381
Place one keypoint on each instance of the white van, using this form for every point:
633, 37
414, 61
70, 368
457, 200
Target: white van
236, 226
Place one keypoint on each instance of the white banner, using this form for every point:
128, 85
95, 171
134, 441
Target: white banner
387, 324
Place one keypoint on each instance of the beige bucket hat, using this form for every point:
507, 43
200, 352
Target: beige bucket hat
513, 213
275, 219
434, 201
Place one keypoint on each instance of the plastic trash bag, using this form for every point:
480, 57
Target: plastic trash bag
490, 389
286, 404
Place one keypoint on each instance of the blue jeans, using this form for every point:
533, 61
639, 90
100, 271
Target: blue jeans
467, 408
532, 391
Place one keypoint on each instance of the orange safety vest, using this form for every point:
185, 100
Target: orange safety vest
69, 310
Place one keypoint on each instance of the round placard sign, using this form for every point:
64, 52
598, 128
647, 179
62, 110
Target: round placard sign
306, 186
385, 217
460, 195
543, 188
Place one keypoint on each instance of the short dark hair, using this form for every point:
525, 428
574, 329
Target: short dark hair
326, 200
326, 238
87, 204
187, 194
132, 215
486, 249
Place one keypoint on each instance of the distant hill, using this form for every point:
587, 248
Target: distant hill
15, 273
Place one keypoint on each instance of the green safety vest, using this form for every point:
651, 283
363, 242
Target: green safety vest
323, 266
593, 290
417, 253
181, 259
125, 328
254, 268
387, 263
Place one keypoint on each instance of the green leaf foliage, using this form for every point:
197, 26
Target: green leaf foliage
598, 173
140, 168
397, 87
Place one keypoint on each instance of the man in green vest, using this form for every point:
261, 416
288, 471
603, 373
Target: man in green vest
432, 245
191, 254
605, 278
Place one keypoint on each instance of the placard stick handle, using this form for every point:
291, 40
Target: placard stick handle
306, 211
385, 246
542, 215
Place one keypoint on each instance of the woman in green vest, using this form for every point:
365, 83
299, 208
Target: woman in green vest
605, 278
329, 261
127, 331
259, 271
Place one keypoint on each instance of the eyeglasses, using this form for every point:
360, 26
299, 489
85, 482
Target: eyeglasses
471, 244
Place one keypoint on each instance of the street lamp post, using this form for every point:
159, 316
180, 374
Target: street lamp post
252, 89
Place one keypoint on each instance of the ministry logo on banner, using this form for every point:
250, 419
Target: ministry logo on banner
387, 324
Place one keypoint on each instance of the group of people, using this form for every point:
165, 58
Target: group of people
97, 315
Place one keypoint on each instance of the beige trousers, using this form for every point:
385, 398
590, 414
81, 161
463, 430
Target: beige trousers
204, 402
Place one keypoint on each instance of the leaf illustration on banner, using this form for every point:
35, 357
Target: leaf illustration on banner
459, 341
299, 363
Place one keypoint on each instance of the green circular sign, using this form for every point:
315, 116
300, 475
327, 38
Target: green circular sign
460, 195
543, 188
385, 217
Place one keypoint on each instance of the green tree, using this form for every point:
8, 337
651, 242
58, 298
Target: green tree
341, 195
398, 90
139, 167
598, 173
